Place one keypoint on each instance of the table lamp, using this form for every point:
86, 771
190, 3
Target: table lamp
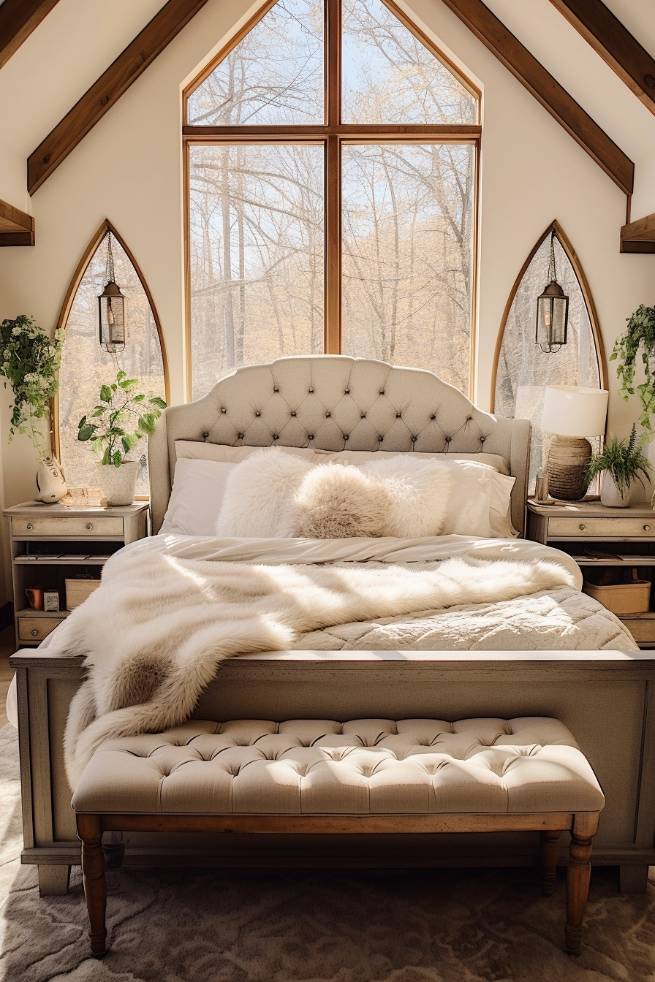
569, 411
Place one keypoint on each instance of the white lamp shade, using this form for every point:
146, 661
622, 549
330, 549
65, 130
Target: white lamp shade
572, 410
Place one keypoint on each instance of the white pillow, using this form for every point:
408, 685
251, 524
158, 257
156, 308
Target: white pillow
258, 499
198, 490
200, 450
418, 492
479, 502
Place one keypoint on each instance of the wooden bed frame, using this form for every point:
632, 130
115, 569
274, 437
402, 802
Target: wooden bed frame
607, 699
335, 403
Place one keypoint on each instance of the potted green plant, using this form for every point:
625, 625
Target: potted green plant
29, 363
637, 345
620, 464
121, 418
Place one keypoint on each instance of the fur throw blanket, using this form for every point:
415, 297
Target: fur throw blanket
168, 612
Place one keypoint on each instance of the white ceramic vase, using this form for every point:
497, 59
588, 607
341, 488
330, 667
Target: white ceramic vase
50, 481
118, 483
610, 496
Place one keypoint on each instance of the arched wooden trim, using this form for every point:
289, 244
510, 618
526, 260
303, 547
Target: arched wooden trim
565, 243
69, 299
267, 5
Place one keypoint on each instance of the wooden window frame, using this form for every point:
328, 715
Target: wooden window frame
104, 229
332, 134
583, 283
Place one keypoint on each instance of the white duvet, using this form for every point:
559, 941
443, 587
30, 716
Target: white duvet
493, 594
561, 618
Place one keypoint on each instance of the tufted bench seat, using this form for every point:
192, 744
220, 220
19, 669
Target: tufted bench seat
370, 775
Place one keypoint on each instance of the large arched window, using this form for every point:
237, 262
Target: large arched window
330, 156
522, 370
85, 365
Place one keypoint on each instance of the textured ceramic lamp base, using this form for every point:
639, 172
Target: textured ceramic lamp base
568, 459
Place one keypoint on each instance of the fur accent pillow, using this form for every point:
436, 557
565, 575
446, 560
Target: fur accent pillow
259, 495
339, 502
418, 492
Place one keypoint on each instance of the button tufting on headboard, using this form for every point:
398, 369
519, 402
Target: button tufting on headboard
300, 401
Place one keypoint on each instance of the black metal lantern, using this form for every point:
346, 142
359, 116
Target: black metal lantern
552, 309
112, 309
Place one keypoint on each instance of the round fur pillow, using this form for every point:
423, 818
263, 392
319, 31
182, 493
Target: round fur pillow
335, 501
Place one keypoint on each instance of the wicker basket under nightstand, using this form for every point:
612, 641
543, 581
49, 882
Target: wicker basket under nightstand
600, 537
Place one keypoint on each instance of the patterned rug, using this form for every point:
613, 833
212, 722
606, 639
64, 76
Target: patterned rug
208, 927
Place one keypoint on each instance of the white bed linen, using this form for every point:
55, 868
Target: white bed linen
559, 619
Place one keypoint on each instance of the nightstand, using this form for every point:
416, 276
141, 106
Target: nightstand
52, 543
596, 536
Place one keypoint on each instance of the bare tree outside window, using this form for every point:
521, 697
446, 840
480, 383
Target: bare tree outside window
274, 77
389, 76
85, 365
524, 370
256, 224
263, 224
407, 242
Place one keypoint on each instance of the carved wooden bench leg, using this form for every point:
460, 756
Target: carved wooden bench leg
585, 826
89, 829
549, 857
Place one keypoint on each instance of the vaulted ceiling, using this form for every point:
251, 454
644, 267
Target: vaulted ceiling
544, 43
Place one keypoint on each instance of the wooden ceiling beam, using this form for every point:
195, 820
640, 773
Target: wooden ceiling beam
16, 226
614, 43
546, 90
107, 90
639, 236
18, 18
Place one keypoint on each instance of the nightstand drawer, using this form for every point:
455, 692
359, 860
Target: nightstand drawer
642, 629
606, 528
62, 525
36, 628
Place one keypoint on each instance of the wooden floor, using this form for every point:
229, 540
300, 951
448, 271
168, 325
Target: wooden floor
7, 648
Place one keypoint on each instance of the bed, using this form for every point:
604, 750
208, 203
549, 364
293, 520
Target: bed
550, 651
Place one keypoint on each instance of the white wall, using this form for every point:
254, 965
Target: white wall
584, 74
129, 170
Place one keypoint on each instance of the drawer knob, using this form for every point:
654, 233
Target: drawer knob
582, 526
34, 632
646, 528
89, 526
29, 526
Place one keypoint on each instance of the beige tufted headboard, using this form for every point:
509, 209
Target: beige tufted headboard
332, 402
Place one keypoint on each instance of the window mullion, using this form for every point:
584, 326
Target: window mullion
333, 180
333, 246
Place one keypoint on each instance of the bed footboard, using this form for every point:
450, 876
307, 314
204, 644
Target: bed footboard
607, 699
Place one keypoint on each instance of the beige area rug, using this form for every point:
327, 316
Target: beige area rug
324, 927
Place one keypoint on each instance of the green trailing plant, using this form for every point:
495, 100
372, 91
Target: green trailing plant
623, 459
120, 419
29, 363
636, 345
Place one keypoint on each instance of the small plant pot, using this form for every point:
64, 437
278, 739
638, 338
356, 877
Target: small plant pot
118, 483
610, 496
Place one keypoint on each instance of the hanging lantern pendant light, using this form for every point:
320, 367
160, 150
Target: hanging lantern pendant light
112, 309
552, 309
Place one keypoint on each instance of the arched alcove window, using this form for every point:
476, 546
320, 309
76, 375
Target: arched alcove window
522, 370
85, 365
331, 154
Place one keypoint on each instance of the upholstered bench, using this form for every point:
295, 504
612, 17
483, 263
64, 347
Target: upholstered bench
367, 775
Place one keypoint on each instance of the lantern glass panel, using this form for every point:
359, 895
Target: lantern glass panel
112, 321
552, 317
